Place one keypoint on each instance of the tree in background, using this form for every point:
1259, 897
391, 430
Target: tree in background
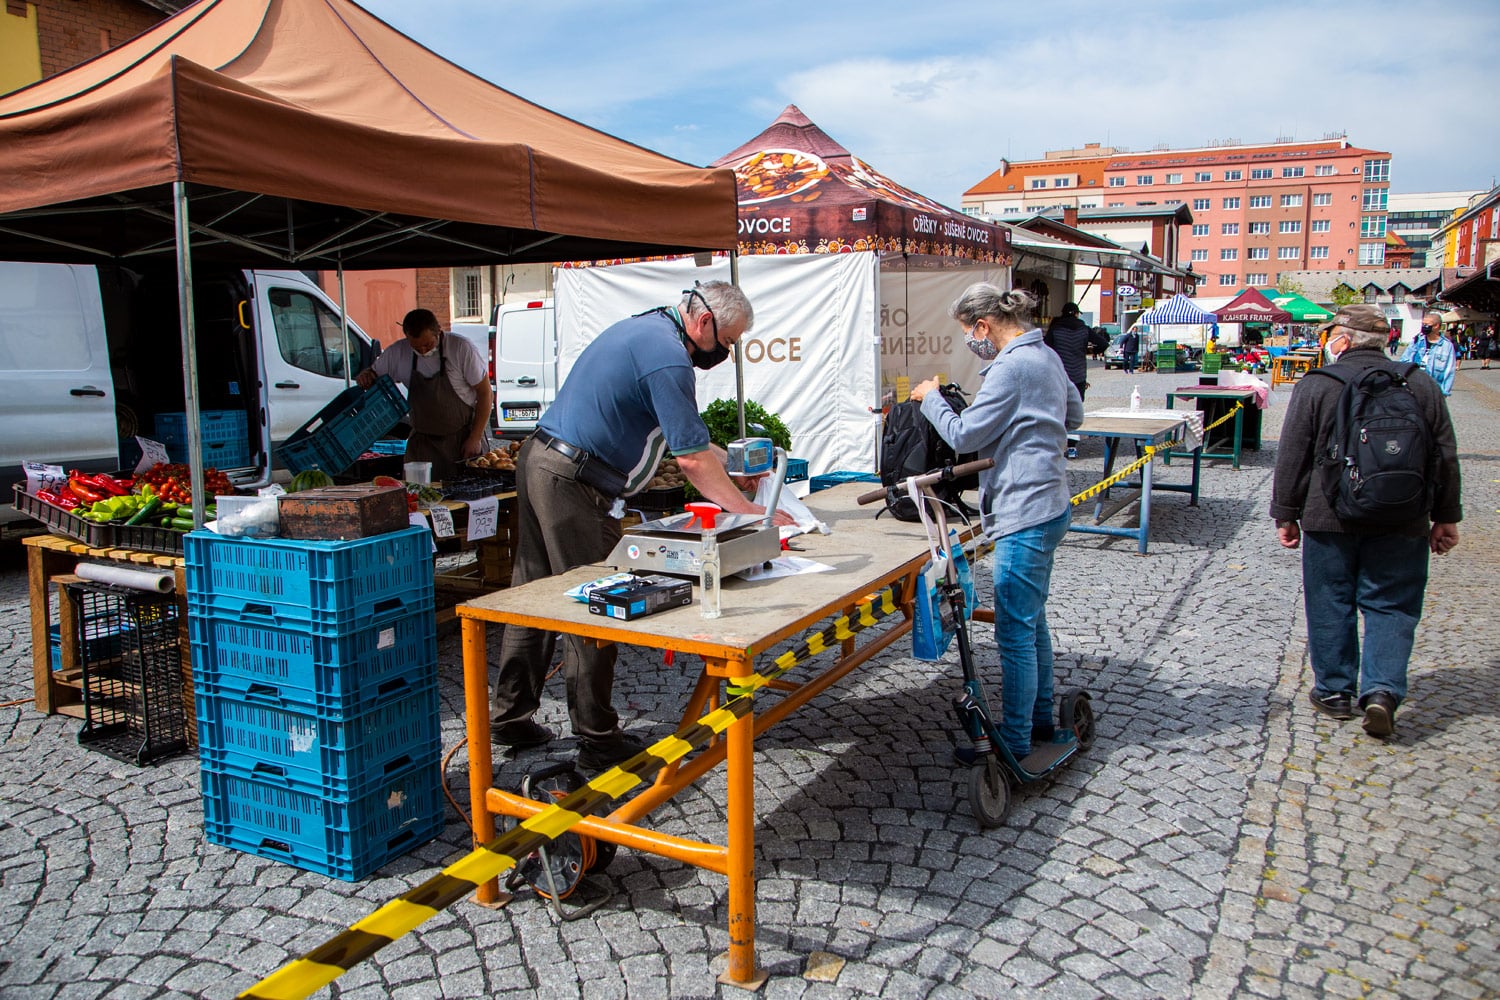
1343, 295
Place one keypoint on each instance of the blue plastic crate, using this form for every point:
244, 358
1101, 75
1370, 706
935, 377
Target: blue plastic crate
338, 676
263, 733
216, 454
389, 446
345, 428
97, 649
796, 470
346, 838
830, 479
214, 427
331, 586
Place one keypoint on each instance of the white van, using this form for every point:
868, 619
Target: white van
91, 357
523, 363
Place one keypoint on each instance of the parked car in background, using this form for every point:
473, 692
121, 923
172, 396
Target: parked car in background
1113, 356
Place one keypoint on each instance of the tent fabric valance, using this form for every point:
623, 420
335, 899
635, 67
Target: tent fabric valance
1251, 306
1178, 309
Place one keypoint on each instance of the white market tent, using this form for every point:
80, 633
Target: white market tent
1178, 309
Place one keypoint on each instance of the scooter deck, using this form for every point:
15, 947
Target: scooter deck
1047, 756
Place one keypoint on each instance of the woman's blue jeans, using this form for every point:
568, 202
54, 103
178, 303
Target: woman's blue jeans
1383, 578
1023, 579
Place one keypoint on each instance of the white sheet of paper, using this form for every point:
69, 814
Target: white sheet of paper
442, 521
152, 453
484, 514
785, 566
416, 520
41, 476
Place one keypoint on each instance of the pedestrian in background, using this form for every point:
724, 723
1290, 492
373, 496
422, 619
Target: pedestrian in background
1070, 337
1489, 346
1020, 417
1130, 350
1434, 352
1351, 570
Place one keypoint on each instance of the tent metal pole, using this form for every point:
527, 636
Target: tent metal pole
189, 348
739, 352
344, 322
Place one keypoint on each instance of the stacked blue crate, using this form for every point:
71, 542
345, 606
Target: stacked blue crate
316, 672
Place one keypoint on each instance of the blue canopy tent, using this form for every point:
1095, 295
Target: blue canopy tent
1178, 309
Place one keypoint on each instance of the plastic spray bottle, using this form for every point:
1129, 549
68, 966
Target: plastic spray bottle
1135, 398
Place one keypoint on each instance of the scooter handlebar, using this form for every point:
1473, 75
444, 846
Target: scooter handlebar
928, 478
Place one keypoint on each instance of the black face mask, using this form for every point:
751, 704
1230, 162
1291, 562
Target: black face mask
701, 358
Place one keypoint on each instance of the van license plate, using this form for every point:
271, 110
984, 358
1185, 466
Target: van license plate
521, 412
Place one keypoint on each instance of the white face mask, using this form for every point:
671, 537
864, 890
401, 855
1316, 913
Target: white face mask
1329, 357
427, 354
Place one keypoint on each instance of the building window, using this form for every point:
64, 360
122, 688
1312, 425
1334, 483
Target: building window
1229, 229
1234, 175
1291, 201
1231, 203
1377, 171
1371, 294
1229, 253
1172, 201
1260, 174
1117, 182
1259, 253
1259, 279
1289, 226
1115, 204
1321, 226
1323, 170
1374, 199
1288, 253
1201, 229
1322, 199
1292, 171
1371, 253
1398, 293
467, 286
1038, 182
1200, 204
1200, 255
1174, 178
1260, 229
1145, 180
1063, 182
1372, 227
1260, 201
1319, 253
1203, 177
1228, 279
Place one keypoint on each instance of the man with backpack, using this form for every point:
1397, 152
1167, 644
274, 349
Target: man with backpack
1367, 483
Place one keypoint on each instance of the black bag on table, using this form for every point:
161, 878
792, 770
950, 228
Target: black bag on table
910, 446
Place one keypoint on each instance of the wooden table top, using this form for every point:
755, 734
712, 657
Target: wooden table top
1214, 392
865, 553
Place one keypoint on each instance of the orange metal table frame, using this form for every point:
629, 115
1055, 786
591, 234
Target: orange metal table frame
867, 556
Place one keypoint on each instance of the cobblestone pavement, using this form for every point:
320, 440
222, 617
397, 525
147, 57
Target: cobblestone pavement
1220, 839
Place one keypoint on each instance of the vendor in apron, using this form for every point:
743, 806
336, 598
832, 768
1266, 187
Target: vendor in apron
448, 387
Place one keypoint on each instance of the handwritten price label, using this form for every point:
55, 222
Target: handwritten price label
152, 453
484, 516
42, 476
442, 521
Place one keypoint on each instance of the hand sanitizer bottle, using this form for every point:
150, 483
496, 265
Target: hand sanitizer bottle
708, 577
1135, 398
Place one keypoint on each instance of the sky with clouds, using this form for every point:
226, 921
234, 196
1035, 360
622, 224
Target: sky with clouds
934, 94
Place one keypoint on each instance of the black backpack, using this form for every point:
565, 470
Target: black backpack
1378, 469
911, 446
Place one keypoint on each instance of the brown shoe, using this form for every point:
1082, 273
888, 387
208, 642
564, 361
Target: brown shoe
1380, 714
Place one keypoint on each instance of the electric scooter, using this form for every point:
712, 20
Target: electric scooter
993, 769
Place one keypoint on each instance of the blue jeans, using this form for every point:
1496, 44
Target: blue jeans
1023, 578
1381, 577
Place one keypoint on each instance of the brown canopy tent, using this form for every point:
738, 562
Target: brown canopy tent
802, 192
309, 133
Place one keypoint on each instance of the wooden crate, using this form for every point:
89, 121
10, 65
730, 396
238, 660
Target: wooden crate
343, 512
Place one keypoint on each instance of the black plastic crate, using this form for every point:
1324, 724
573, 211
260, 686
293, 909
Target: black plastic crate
473, 484
132, 693
62, 522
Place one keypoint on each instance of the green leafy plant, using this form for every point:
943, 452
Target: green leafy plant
723, 420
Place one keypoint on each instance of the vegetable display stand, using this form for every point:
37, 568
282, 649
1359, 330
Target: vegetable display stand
132, 707
50, 560
345, 428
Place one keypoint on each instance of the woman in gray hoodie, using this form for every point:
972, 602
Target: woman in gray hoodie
1020, 417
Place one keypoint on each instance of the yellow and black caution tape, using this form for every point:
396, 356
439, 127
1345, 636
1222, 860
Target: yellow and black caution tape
1237, 407
321, 966
1151, 451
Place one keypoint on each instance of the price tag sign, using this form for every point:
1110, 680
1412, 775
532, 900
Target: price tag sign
41, 476
416, 520
442, 521
484, 514
152, 453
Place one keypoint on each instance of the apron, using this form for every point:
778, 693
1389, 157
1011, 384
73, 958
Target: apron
440, 420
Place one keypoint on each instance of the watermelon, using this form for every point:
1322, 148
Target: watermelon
387, 481
312, 479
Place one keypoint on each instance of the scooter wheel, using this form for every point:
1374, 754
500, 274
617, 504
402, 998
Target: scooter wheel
989, 792
1077, 714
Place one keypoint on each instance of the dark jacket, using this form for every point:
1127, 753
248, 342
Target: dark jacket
1069, 337
1310, 417
1130, 343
